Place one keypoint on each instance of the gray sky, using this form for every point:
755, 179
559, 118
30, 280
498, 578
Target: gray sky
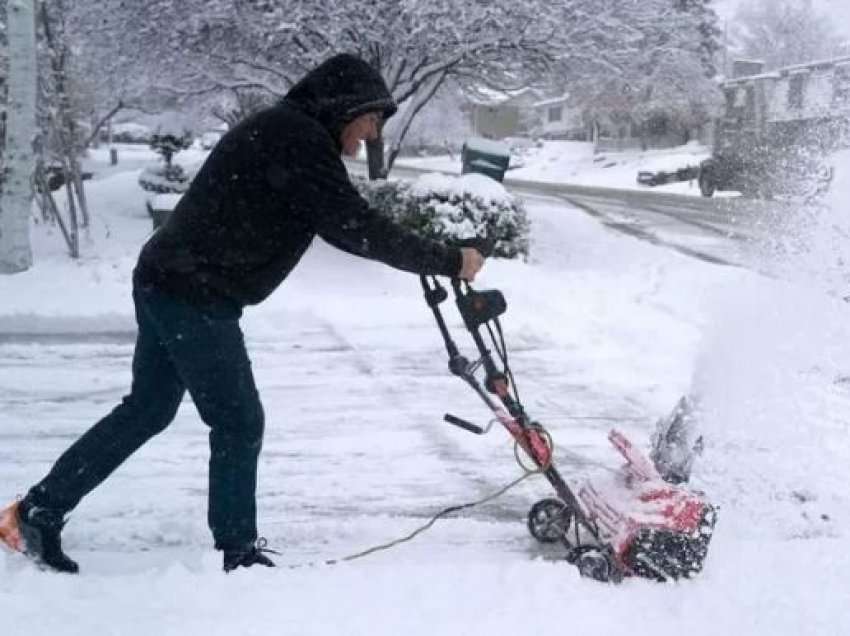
840, 9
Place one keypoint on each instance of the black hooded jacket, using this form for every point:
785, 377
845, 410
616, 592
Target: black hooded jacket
269, 186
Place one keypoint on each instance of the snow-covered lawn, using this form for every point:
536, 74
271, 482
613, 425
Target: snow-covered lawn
604, 330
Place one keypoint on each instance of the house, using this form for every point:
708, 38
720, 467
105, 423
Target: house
559, 119
616, 130
500, 114
804, 101
525, 113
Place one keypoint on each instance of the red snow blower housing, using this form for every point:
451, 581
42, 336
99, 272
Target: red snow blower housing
633, 523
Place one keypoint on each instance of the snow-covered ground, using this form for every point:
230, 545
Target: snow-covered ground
574, 163
604, 330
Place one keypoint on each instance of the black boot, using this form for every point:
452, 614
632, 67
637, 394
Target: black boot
246, 556
41, 531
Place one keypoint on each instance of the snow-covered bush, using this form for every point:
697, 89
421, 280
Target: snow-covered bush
164, 179
445, 207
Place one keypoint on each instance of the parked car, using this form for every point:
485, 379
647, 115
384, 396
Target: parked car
54, 175
729, 171
766, 171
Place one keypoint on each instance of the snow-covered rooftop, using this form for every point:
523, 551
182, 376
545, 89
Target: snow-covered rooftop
552, 101
486, 96
791, 70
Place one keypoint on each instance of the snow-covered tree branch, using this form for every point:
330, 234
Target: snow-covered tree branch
784, 32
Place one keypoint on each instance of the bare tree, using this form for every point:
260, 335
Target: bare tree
238, 104
784, 32
200, 50
666, 67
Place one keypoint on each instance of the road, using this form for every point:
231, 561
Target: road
732, 231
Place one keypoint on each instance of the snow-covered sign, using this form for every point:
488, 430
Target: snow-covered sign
488, 146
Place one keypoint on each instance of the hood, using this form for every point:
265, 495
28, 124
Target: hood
339, 89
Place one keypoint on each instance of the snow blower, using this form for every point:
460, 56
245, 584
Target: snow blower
634, 523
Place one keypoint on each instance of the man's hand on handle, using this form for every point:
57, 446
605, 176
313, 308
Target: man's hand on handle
472, 262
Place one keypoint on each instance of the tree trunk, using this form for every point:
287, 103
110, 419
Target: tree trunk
17, 195
74, 229
49, 209
422, 96
76, 178
67, 127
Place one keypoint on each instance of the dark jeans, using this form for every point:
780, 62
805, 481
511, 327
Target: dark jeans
179, 347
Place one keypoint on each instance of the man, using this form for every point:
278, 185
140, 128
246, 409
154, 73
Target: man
268, 187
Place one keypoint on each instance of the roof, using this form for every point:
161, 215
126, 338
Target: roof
791, 70
552, 101
486, 96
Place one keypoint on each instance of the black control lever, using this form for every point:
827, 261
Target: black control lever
467, 426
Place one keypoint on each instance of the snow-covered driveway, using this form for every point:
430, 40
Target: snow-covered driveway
603, 329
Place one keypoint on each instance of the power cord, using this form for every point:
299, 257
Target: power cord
527, 472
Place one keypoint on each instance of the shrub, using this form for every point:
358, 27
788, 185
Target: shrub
443, 207
170, 177
164, 179
169, 144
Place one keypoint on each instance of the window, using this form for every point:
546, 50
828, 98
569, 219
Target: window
730, 101
796, 90
750, 111
740, 97
556, 113
841, 85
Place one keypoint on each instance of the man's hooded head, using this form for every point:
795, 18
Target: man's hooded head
339, 90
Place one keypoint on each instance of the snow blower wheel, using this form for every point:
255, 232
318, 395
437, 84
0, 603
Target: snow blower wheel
594, 564
549, 520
